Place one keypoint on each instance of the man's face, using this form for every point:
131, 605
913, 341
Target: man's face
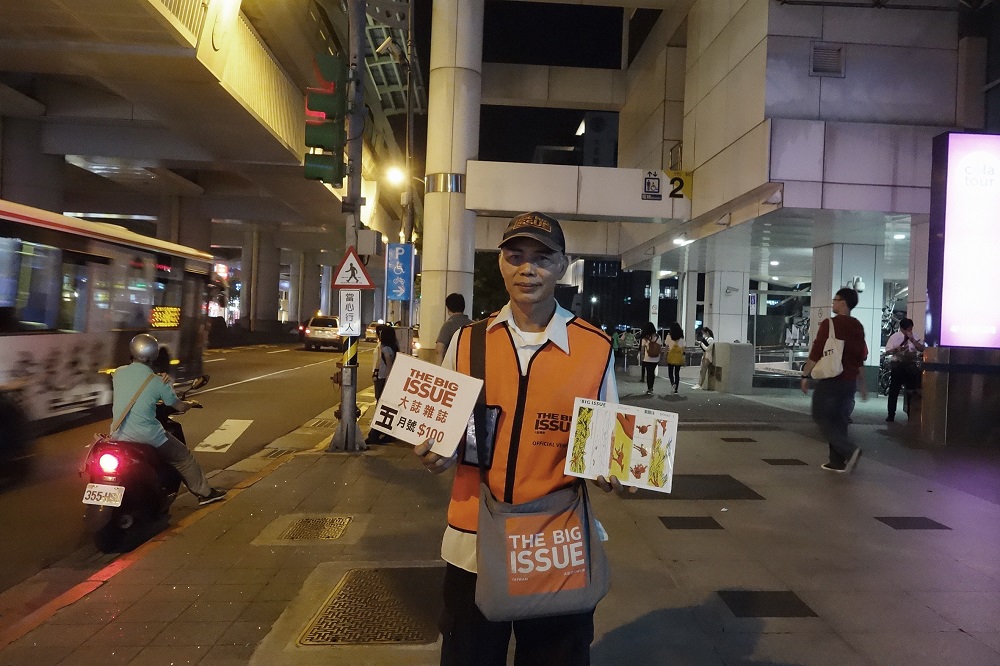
908, 332
530, 270
840, 306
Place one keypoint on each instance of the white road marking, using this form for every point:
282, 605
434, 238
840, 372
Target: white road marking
269, 374
220, 440
280, 351
213, 360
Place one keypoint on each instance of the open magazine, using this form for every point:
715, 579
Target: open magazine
634, 444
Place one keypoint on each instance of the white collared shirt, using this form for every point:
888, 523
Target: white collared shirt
459, 548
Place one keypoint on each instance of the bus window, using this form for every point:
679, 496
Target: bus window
74, 297
30, 283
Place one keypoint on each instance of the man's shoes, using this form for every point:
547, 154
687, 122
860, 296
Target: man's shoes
649, 392
853, 460
890, 418
830, 468
214, 496
675, 389
696, 387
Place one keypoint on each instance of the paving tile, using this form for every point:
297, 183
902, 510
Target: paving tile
86, 611
880, 611
244, 633
816, 649
193, 576
690, 523
278, 592
911, 523
263, 611
208, 610
700, 487
154, 611
191, 633
765, 603
100, 654
161, 655
922, 647
228, 655
235, 592
59, 635
126, 633
789, 462
34, 655
241, 576
969, 611
163, 592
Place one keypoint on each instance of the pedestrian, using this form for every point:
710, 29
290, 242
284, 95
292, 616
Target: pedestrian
387, 349
455, 304
902, 348
533, 345
650, 348
675, 354
705, 342
833, 398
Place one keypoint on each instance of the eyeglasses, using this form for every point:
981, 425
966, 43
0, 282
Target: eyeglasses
837, 298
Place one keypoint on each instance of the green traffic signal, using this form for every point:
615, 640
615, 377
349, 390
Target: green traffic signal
330, 136
332, 105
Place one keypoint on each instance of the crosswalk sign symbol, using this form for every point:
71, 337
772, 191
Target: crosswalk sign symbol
352, 273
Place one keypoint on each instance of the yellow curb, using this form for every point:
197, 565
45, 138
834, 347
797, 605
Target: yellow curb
95, 581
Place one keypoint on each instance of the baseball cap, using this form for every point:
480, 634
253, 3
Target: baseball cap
539, 226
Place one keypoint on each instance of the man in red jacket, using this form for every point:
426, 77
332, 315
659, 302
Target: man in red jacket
833, 398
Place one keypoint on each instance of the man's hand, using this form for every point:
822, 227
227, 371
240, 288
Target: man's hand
433, 463
614, 484
804, 384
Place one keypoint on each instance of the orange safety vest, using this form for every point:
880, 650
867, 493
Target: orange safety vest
533, 428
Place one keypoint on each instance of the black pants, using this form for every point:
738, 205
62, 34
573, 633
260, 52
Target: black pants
649, 369
674, 373
469, 639
901, 374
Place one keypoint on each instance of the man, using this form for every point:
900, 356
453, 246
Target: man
833, 399
455, 304
532, 347
140, 424
902, 349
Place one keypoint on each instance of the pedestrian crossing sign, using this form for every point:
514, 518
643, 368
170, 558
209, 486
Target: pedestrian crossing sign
351, 272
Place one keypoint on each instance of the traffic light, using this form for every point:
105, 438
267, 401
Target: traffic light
326, 109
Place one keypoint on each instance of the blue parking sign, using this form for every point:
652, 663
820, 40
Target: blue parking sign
399, 271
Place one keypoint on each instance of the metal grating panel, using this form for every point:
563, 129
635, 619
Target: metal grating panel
784, 461
317, 528
826, 60
322, 423
724, 427
379, 606
738, 439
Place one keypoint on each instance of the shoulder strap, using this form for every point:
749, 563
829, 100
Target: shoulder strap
117, 424
832, 333
477, 367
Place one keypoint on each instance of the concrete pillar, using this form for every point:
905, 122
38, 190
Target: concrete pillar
687, 293
454, 92
180, 221
836, 264
726, 305
654, 291
27, 175
326, 289
303, 286
916, 297
260, 268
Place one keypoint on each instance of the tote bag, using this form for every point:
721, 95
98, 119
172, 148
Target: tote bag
539, 558
832, 362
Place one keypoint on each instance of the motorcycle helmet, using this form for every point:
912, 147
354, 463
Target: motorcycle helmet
144, 348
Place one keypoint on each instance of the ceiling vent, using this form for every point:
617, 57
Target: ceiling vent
826, 60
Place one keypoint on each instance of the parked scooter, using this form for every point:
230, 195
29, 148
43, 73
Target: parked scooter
130, 486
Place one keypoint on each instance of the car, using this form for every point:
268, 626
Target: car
323, 332
371, 333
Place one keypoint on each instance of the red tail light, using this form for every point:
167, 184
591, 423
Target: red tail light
308, 331
108, 463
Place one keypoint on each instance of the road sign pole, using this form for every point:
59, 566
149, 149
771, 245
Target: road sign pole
350, 278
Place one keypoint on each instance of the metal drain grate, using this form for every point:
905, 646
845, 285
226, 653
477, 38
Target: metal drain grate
276, 453
322, 423
738, 439
316, 528
379, 606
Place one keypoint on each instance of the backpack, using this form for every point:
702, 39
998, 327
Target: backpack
675, 356
653, 347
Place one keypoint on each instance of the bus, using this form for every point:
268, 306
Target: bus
73, 293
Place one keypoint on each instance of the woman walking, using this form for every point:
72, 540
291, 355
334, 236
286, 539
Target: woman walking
705, 342
388, 347
650, 347
675, 354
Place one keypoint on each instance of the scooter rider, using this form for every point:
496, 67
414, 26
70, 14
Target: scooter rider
140, 423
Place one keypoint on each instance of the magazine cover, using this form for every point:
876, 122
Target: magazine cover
635, 444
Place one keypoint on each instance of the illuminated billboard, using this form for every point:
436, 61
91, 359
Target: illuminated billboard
963, 304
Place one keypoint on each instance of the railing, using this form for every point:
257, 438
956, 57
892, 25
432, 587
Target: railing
190, 13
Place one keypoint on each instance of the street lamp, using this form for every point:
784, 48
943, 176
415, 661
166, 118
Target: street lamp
593, 302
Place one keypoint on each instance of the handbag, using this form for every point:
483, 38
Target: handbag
539, 558
831, 363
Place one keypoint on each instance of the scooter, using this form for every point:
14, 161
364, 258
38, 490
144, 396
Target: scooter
130, 486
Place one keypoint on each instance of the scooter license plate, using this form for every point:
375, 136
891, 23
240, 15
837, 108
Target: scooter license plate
98, 493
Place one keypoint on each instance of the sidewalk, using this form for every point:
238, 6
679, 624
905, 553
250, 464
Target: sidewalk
758, 556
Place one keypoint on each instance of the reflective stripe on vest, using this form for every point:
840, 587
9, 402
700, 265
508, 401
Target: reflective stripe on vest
533, 428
